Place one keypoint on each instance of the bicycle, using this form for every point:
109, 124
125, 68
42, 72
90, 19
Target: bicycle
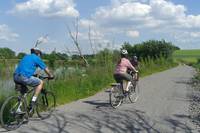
117, 94
45, 105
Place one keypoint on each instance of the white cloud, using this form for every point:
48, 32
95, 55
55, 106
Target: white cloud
124, 11
195, 34
6, 33
133, 33
193, 21
47, 8
163, 9
94, 35
153, 16
85, 23
155, 13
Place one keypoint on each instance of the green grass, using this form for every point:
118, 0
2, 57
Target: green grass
188, 52
187, 56
80, 85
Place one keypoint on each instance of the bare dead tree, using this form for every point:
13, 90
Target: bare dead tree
40, 40
75, 41
90, 40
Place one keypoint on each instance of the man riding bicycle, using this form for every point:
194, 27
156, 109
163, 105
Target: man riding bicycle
123, 65
24, 73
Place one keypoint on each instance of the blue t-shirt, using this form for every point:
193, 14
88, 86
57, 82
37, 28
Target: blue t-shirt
28, 65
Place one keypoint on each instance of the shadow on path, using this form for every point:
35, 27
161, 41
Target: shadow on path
110, 120
98, 103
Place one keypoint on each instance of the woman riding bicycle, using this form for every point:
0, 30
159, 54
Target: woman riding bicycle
123, 65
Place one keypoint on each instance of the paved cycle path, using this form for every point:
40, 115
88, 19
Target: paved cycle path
161, 108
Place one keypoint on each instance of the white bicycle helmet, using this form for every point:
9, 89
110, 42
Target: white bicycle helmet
124, 52
36, 50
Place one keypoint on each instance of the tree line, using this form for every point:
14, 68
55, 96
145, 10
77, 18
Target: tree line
148, 49
151, 49
6, 53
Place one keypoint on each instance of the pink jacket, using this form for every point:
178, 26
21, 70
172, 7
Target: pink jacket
123, 65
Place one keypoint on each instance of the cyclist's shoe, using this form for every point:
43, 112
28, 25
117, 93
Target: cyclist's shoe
20, 112
25, 120
126, 93
31, 107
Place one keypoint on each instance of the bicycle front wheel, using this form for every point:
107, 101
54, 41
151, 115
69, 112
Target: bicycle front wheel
133, 92
46, 103
116, 96
11, 117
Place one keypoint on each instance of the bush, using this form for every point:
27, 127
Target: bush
151, 49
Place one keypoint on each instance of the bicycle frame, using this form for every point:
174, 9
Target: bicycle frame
23, 98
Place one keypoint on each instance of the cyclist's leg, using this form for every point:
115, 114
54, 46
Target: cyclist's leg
127, 77
122, 78
118, 78
38, 84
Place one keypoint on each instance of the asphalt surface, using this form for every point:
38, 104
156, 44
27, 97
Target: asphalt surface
161, 108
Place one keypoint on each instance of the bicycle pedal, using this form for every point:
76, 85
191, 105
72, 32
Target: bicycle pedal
31, 111
25, 120
20, 113
31, 114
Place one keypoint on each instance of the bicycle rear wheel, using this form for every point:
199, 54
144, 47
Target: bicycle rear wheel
10, 118
46, 103
116, 96
133, 92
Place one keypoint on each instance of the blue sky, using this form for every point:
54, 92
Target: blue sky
23, 22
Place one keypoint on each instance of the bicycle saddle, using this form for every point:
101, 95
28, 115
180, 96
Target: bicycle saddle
21, 87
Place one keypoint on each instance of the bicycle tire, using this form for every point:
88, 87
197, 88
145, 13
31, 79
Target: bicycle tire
116, 96
10, 120
133, 92
46, 103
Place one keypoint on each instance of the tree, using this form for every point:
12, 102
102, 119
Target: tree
74, 38
21, 55
151, 49
7, 53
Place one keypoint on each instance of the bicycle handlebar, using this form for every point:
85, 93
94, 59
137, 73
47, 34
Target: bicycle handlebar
46, 77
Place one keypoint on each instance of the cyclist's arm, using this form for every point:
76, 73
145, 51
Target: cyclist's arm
47, 71
43, 66
131, 66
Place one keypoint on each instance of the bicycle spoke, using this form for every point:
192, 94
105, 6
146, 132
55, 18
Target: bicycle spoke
116, 96
45, 104
10, 120
133, 92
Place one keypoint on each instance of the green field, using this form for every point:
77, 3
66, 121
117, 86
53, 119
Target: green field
188, 56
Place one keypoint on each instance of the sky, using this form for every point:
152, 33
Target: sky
108, 22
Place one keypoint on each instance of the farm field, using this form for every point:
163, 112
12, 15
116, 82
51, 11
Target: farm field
188, 56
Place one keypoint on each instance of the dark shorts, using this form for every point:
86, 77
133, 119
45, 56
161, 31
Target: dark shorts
32, 81
119, 77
